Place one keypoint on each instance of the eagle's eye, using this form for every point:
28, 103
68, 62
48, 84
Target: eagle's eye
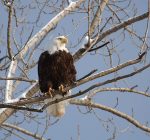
59, 38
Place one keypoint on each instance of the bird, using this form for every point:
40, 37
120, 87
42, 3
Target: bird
56, 70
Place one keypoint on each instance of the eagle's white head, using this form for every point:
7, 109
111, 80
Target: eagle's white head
59, 43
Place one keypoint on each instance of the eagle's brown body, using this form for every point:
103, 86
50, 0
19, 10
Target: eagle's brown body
55, 69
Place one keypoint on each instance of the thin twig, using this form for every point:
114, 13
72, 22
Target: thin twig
131, 90
144, 48
1, 59
87, 75
101, 46
18, 79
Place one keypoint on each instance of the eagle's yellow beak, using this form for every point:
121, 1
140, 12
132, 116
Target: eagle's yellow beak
64, 40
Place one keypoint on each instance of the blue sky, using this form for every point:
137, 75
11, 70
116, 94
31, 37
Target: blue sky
98, 124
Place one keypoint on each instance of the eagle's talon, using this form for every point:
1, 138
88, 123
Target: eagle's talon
50, 92
75, 82
62, 89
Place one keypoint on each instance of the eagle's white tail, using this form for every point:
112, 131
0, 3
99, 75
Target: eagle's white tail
58, 109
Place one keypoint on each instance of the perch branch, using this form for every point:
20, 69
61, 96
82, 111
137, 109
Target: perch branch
97, 85
35, 87
81, 92
71, 96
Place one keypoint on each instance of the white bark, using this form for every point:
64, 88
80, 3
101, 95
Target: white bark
97, 19
9, 83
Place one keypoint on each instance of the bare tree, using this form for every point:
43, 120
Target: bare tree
110, 38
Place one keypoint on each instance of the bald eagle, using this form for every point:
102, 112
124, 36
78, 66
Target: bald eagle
56, 71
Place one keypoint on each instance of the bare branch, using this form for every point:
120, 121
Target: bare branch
6, 113
9, 83
101, 46
85, 47
97, 19
16, 107
71, 96
10, 7
111, 110
18, 79
111, 70
116, 79
87, 75
122, 25
97, 85
35, 88
144, 48
98, 37
120, 90
26, 132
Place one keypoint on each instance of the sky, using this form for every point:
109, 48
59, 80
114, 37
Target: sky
79, 123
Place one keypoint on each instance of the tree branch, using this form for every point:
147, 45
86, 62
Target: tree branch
71, 96
18, 79
111, 70
26, 132
10, 8
87, 75
30, 92
9, 83
111, 110
98, 37
7, 112
96, 20
122, 25
116, 79
101, 46
120, 90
